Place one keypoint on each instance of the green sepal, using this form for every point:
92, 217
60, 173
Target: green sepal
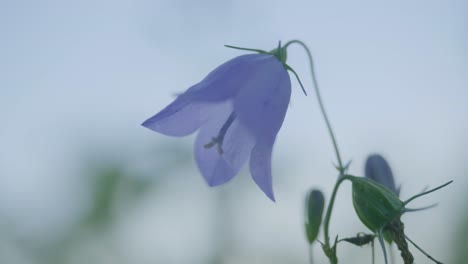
297, 77
280, 52
246, 49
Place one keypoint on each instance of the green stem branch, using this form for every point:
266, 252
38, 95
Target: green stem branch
326, 222
311, 259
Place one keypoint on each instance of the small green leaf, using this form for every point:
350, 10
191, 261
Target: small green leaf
360, 239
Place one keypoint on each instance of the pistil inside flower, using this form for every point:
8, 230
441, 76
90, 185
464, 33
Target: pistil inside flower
218, 141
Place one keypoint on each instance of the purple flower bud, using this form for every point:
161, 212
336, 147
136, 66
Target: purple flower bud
238, 109
377, 169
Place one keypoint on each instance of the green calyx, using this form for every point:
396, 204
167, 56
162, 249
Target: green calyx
280, 53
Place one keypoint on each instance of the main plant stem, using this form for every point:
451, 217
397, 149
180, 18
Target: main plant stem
319, 99
332, 253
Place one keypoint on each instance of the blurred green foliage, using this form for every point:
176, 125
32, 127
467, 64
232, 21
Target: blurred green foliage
460, 252
113, 184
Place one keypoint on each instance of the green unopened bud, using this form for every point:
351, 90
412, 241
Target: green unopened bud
375, 204
379, 209
315, 203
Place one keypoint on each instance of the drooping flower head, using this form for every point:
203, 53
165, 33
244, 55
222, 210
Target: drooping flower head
238, 110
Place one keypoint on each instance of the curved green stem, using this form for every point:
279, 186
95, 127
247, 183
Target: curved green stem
373, 253
341, 168
311, 258
326, 221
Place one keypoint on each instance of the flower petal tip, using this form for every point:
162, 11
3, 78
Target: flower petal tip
269, 193
214, 181
145, 123
272, 198
266, 189
150, 124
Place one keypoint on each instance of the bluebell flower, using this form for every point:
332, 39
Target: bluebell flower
238, 110
377, 169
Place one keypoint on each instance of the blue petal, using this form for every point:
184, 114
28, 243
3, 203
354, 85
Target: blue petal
261, 105
215, 167
378, 170
195, 106
260, 167
224, 82
182, 117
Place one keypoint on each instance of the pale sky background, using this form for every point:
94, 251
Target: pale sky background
80, 76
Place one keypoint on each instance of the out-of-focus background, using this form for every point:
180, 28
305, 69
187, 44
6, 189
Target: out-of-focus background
82, 182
